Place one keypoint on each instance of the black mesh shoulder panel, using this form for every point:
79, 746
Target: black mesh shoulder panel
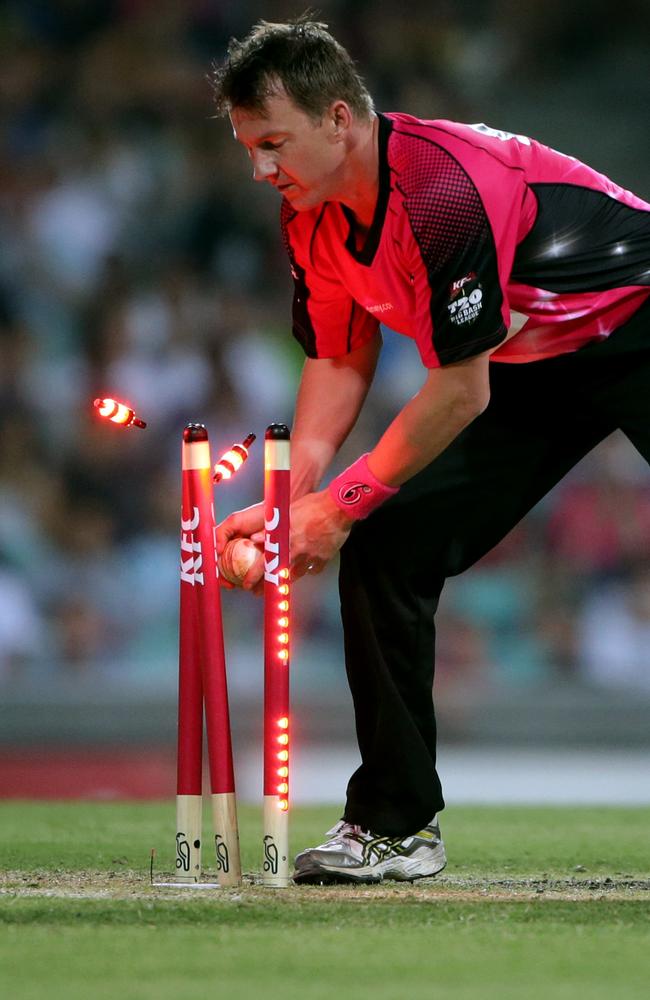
453, 233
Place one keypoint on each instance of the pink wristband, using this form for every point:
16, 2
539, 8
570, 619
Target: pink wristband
357, 492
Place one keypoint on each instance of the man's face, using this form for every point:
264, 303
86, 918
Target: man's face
302, 158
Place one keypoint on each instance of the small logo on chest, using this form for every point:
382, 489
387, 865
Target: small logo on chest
383, 307
465, 299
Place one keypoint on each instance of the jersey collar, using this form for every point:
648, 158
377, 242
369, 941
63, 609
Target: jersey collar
367, 252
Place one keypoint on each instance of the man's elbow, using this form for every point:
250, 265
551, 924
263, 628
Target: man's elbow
479, 401
474, 388
465, 387
472, 398
469, 406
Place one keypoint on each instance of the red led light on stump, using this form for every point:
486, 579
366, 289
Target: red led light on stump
118, 413
283, 772
277, 654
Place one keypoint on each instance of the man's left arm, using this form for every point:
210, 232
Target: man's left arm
450, 399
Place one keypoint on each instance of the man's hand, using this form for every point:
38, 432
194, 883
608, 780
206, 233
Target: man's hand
240, 524
318, 530
244, 524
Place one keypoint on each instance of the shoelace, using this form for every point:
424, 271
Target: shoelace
344, 829
352, 831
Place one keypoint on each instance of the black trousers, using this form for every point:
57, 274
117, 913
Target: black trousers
542, 418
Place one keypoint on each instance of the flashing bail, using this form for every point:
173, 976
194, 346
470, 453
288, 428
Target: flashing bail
232, 460
118, 413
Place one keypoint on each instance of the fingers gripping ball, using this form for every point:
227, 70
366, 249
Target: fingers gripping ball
236, 559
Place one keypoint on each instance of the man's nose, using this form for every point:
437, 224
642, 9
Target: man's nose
263, 166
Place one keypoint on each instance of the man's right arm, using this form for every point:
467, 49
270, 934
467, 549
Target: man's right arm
330, 396
329, 400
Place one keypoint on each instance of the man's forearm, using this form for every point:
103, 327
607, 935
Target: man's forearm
331, 394
449, 400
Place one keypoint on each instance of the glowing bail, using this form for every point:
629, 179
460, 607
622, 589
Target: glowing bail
118, 413
232, 460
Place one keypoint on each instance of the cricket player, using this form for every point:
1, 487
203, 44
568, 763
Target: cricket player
523, 276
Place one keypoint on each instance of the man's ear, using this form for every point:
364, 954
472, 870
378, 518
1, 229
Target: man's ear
341, 118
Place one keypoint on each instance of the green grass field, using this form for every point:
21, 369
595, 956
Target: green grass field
535, 903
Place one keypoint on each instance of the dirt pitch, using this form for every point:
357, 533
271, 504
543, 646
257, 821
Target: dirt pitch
131, 885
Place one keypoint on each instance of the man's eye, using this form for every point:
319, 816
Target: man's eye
271, 145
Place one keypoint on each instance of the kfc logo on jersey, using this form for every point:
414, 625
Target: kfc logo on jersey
465, 299
457, 285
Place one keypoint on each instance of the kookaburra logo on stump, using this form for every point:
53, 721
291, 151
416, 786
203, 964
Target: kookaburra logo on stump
182, 852
221, 850
270, 855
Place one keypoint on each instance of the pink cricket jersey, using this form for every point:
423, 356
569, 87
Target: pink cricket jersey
480, 240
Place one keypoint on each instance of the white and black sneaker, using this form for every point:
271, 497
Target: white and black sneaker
351, 854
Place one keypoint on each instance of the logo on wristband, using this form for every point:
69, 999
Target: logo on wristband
352, 493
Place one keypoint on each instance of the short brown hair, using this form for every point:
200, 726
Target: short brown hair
301, 56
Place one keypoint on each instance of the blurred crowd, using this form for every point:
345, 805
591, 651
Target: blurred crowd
138, 261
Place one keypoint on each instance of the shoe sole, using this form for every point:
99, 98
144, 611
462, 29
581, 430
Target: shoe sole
323, 877
371, 875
